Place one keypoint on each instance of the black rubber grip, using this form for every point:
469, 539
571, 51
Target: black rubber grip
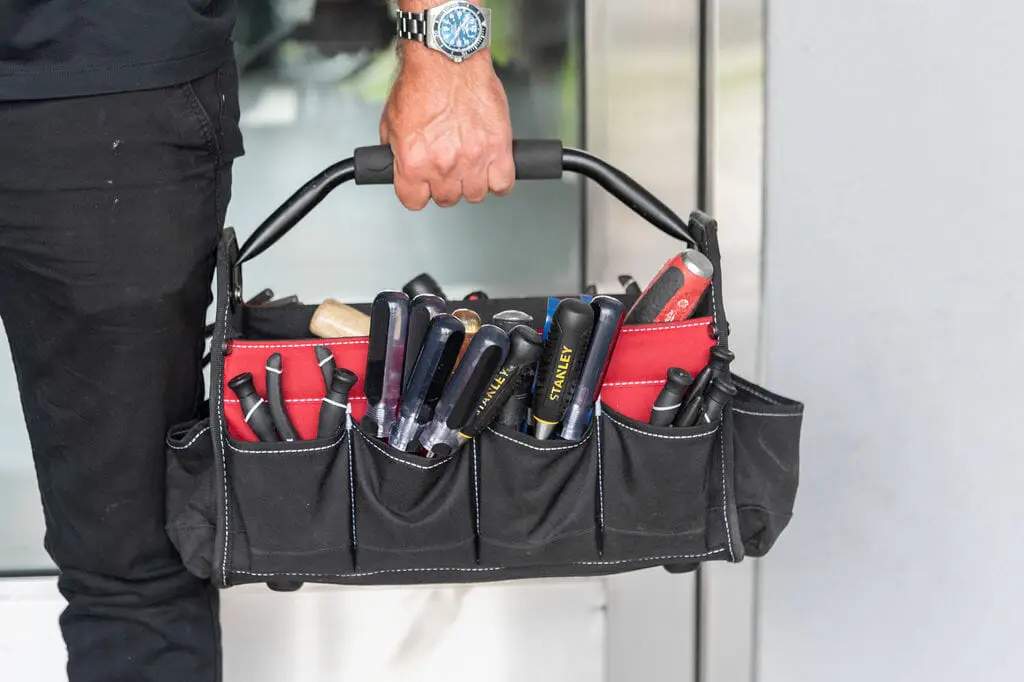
534, 159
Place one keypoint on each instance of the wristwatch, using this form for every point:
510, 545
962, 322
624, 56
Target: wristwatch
458, 29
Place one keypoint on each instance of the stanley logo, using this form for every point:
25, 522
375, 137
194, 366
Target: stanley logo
499, 380
561, 371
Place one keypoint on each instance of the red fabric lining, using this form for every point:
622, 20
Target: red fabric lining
642, 356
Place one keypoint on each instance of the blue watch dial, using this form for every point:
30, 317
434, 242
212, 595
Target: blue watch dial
460, 28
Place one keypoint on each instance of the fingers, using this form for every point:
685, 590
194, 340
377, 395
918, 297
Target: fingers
449, 171
501, 174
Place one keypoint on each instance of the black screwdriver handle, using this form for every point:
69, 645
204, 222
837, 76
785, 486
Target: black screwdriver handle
534, 159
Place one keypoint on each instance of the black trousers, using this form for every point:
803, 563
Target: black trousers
110, 210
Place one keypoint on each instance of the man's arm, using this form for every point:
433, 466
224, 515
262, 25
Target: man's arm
448, 125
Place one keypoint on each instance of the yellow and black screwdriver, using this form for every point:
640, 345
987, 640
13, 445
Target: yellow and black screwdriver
565, 351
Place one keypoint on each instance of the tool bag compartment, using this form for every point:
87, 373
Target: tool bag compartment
353, 510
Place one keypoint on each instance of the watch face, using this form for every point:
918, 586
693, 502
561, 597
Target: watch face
460, 30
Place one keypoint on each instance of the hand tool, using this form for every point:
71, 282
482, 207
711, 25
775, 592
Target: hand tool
693, 401
389, 322
283, 301
423, 284
629, 285
553, 302
591, 290
484, 357
259, 299
254, 408
333, 320
607, 321
325, 358
718, 395
334, 406
513, 412
476, 296
675, 291
671, 397
561, 363
471, 321
432, 368
524, 351
275, 399
423, 309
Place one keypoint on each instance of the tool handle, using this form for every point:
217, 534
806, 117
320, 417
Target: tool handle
535, 159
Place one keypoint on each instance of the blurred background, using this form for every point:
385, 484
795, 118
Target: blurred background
839, 145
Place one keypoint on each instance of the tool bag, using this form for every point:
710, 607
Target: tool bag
352, 510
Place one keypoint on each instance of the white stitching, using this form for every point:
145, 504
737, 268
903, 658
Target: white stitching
763, 414
477, 569
187, 445
749, 388
402, 461
223, 450
561, 448
660, 328
246, 345
725, 503
235, 401
646, 382
658, 435
476, 485
600, 468
281, 452
351, 483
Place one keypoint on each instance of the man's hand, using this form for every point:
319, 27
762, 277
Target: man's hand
448, 126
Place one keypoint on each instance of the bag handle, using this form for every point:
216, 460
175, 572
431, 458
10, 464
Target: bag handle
534, 159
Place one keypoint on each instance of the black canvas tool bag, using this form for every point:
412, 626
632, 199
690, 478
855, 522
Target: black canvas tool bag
352, 510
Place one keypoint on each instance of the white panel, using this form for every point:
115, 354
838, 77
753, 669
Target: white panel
893, 308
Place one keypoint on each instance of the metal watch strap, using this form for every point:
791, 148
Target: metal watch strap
412, 25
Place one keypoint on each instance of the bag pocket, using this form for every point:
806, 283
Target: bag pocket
537, 499
293, 503
655, 498
766, 441
411, 511
190, 511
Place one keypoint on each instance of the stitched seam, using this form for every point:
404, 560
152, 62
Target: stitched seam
478, 569
763, 414
247, 345
351, 479
725, 504
236, 401
283, 452
540, 449
402, 461
646, 382
658, 435
187, 445
223, 457
749, 388
662, 328
476, 486
600, 466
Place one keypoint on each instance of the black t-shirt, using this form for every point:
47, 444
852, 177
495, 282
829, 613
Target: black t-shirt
66, 48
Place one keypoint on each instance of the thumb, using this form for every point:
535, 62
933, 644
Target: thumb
385, 131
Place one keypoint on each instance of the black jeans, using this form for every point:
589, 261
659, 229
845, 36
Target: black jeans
110, 210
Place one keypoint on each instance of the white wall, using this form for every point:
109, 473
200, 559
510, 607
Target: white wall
894, 309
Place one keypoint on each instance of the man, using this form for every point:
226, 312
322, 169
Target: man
118, 129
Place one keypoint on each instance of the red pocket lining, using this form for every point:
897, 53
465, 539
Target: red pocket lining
635, 376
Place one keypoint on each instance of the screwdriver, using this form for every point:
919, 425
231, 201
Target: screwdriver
482, 360
275, 399
607, 320
432, 368
630, 285
332, 320
334, 406
694, 401
471, 321
513, 412
561, 363
254, 408
325, 358
524, 351
675, 291
671, 397
383, 383
423, 284
422, 310
720, 392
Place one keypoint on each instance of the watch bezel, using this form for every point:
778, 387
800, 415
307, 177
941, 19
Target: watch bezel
436, 16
